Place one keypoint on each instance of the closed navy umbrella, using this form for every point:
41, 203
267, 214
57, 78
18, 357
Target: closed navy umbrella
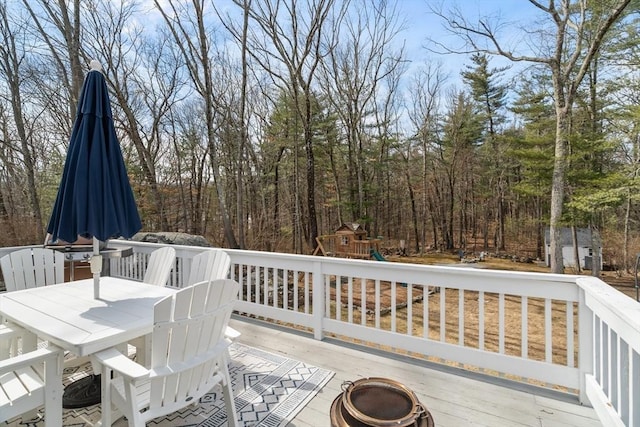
94, 199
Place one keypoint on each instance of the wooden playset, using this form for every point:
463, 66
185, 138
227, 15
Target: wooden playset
348, 241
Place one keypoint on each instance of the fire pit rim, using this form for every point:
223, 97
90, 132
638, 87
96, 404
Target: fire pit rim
349, 387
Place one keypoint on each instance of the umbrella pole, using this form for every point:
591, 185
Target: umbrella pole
96, 267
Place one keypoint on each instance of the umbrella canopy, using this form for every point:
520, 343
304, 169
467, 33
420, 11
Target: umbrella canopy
94, 198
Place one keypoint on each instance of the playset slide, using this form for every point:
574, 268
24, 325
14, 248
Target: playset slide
376, 255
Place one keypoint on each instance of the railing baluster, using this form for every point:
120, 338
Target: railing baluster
548, 332
501, 323
377, 313
425, 312
409, 290
254, 284
327, 296
443, 314
570, 332
307, 294
634, 389
285, 288
606, 353
350, 299
393, 307
261, 278
524, 327
338, 297
624, 380
296, 289
274, 287
461, 317
363, 301
481, 320
614, 371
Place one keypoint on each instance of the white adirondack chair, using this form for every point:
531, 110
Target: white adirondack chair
29, 379
159, 266
210, 264
32, 267
161, 261
189, 357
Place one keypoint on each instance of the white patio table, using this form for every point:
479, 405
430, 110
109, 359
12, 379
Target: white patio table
68, 315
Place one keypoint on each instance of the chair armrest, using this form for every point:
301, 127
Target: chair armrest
231, 333
116, 361
31, 358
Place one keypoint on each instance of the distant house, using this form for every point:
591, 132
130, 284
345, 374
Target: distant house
585, 249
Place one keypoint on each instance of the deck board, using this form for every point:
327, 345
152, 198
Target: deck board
453, 400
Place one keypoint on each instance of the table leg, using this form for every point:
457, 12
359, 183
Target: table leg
106, 400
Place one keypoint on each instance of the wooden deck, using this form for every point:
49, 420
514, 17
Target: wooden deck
454, 398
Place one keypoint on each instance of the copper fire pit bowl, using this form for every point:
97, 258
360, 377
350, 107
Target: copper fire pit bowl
378, 402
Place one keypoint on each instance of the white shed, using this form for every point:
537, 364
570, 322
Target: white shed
585, 249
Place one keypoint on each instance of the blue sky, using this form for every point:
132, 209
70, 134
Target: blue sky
421, 23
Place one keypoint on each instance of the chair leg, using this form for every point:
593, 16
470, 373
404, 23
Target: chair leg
29, 342
53, 392
227, 392
105, 388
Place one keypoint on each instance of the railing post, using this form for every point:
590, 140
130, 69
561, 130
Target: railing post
318, 300
585, 345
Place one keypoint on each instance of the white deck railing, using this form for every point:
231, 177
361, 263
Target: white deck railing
567, 332
613, 382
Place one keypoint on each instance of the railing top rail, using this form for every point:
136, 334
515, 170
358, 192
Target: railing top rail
531, 284
181, 250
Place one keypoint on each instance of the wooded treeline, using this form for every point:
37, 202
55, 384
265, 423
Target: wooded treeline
262, 124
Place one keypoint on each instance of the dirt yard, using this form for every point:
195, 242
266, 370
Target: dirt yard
625, 283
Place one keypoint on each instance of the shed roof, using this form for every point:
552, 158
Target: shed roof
352, 226
566, 239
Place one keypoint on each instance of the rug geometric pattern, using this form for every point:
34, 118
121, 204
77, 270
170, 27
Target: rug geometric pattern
269, 391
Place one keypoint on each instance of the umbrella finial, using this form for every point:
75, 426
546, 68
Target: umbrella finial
95, 65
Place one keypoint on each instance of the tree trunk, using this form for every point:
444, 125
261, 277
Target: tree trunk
557, 189
625, 245
576, 252
243, 133
596, 244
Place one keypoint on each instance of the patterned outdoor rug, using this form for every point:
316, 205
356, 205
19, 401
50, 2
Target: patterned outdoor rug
270, 390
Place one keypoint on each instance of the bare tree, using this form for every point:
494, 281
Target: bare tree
190, 159
188, 27
425, 93
566, 47
143, 74
11, 69
352, 78
58, 25
387, 132
287, 42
